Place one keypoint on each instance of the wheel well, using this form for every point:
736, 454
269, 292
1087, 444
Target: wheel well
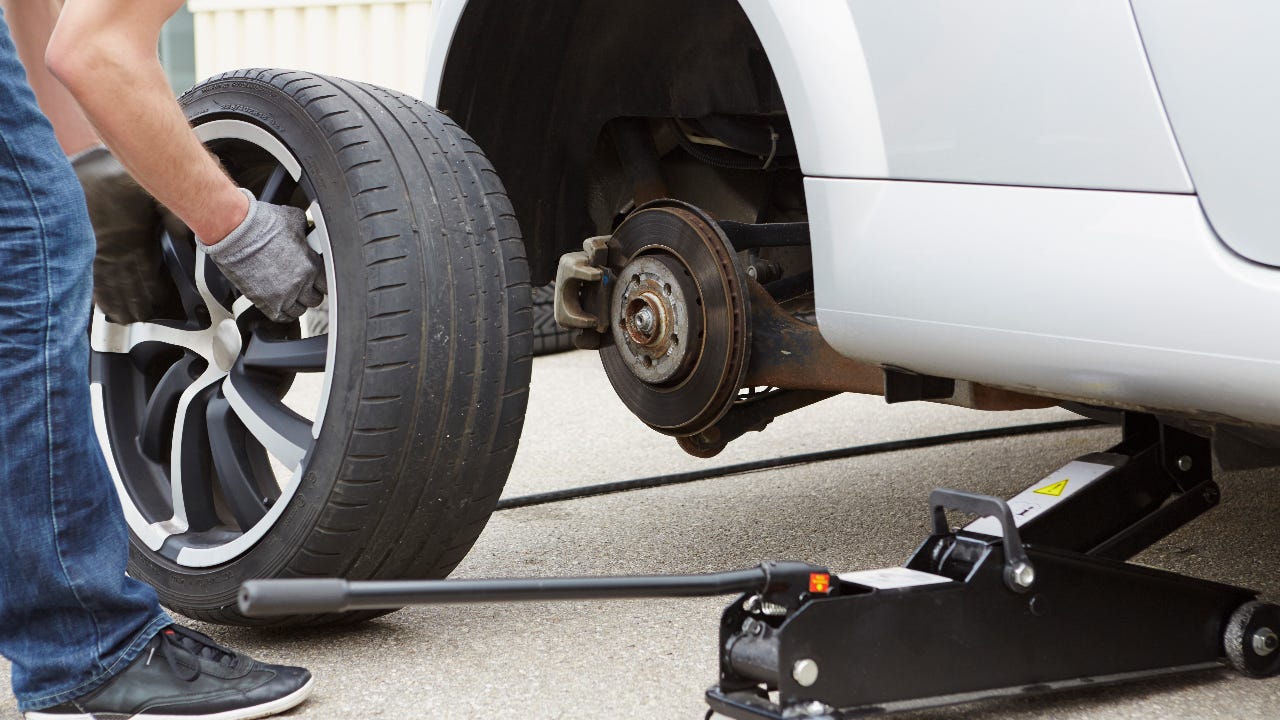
536, 83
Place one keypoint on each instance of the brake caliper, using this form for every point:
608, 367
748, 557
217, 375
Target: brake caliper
583, 286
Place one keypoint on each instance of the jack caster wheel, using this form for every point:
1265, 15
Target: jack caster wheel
1252, 640
372, 445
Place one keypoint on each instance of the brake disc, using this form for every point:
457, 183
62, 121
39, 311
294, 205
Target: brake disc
678, 314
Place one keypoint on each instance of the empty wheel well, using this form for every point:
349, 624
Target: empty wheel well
539, 85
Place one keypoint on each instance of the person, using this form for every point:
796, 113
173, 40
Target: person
84, 639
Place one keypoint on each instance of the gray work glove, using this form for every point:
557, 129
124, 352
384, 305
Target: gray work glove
129, 280
268, 259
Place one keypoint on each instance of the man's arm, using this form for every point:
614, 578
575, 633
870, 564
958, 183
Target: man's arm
31, 23
104, 52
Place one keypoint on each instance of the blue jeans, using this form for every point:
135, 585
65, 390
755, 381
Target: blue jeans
69, 617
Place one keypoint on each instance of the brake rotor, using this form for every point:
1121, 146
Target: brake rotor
678, 314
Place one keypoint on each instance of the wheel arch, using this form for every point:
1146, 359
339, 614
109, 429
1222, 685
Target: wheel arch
534, 83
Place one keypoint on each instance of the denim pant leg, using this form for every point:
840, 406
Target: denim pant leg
69, 616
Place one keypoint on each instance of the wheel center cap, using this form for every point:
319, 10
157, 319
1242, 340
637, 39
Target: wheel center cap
226, 344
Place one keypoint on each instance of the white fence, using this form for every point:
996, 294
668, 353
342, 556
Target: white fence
377, 41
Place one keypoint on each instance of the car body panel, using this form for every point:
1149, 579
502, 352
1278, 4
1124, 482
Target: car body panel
1215, 62
445, 16
833, 114
1051, 94
1114, 297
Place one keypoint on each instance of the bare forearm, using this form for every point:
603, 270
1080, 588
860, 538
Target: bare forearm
32, 22
103, 51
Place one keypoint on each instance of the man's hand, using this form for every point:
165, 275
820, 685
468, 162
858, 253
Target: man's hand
128, 281
268, 259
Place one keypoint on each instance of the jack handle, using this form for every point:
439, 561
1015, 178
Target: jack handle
783, 583
1019, 574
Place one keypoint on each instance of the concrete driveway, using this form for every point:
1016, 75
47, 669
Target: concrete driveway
654, 659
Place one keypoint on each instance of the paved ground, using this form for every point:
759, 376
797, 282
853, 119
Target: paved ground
642, 659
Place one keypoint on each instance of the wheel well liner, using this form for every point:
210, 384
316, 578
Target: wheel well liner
534, 83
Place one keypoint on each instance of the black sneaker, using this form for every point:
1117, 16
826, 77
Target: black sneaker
184, 675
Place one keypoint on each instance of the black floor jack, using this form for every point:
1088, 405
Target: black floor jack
1035, 595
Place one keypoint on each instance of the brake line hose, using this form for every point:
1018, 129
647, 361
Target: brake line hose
790, 461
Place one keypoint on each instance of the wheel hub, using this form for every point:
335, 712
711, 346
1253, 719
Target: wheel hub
654, 319
678, 319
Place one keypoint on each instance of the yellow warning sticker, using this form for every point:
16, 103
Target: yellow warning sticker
1055, 489
1043, 495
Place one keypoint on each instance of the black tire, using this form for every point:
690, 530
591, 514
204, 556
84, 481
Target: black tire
429, 368
548, 337
1252, 639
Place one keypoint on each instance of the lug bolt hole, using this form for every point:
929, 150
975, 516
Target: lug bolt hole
197, 368
648, 361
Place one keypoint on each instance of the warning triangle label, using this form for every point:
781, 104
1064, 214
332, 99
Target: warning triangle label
1055, 489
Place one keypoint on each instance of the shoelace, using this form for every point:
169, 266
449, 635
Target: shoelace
181, 644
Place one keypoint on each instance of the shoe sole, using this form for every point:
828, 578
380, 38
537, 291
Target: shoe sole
266, 709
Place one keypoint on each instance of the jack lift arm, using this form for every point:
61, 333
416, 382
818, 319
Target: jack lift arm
1033, 596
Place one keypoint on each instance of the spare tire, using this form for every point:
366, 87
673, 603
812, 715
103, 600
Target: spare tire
548, 337
243, 448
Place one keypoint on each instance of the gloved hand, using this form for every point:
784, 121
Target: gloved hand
129, 283
268, 259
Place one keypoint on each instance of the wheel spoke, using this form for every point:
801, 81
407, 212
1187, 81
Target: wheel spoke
109, 337
235, 458
284, 433
180, 261
305, 355
279, 186
214, 287
190, 464
243, 305
162, 406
